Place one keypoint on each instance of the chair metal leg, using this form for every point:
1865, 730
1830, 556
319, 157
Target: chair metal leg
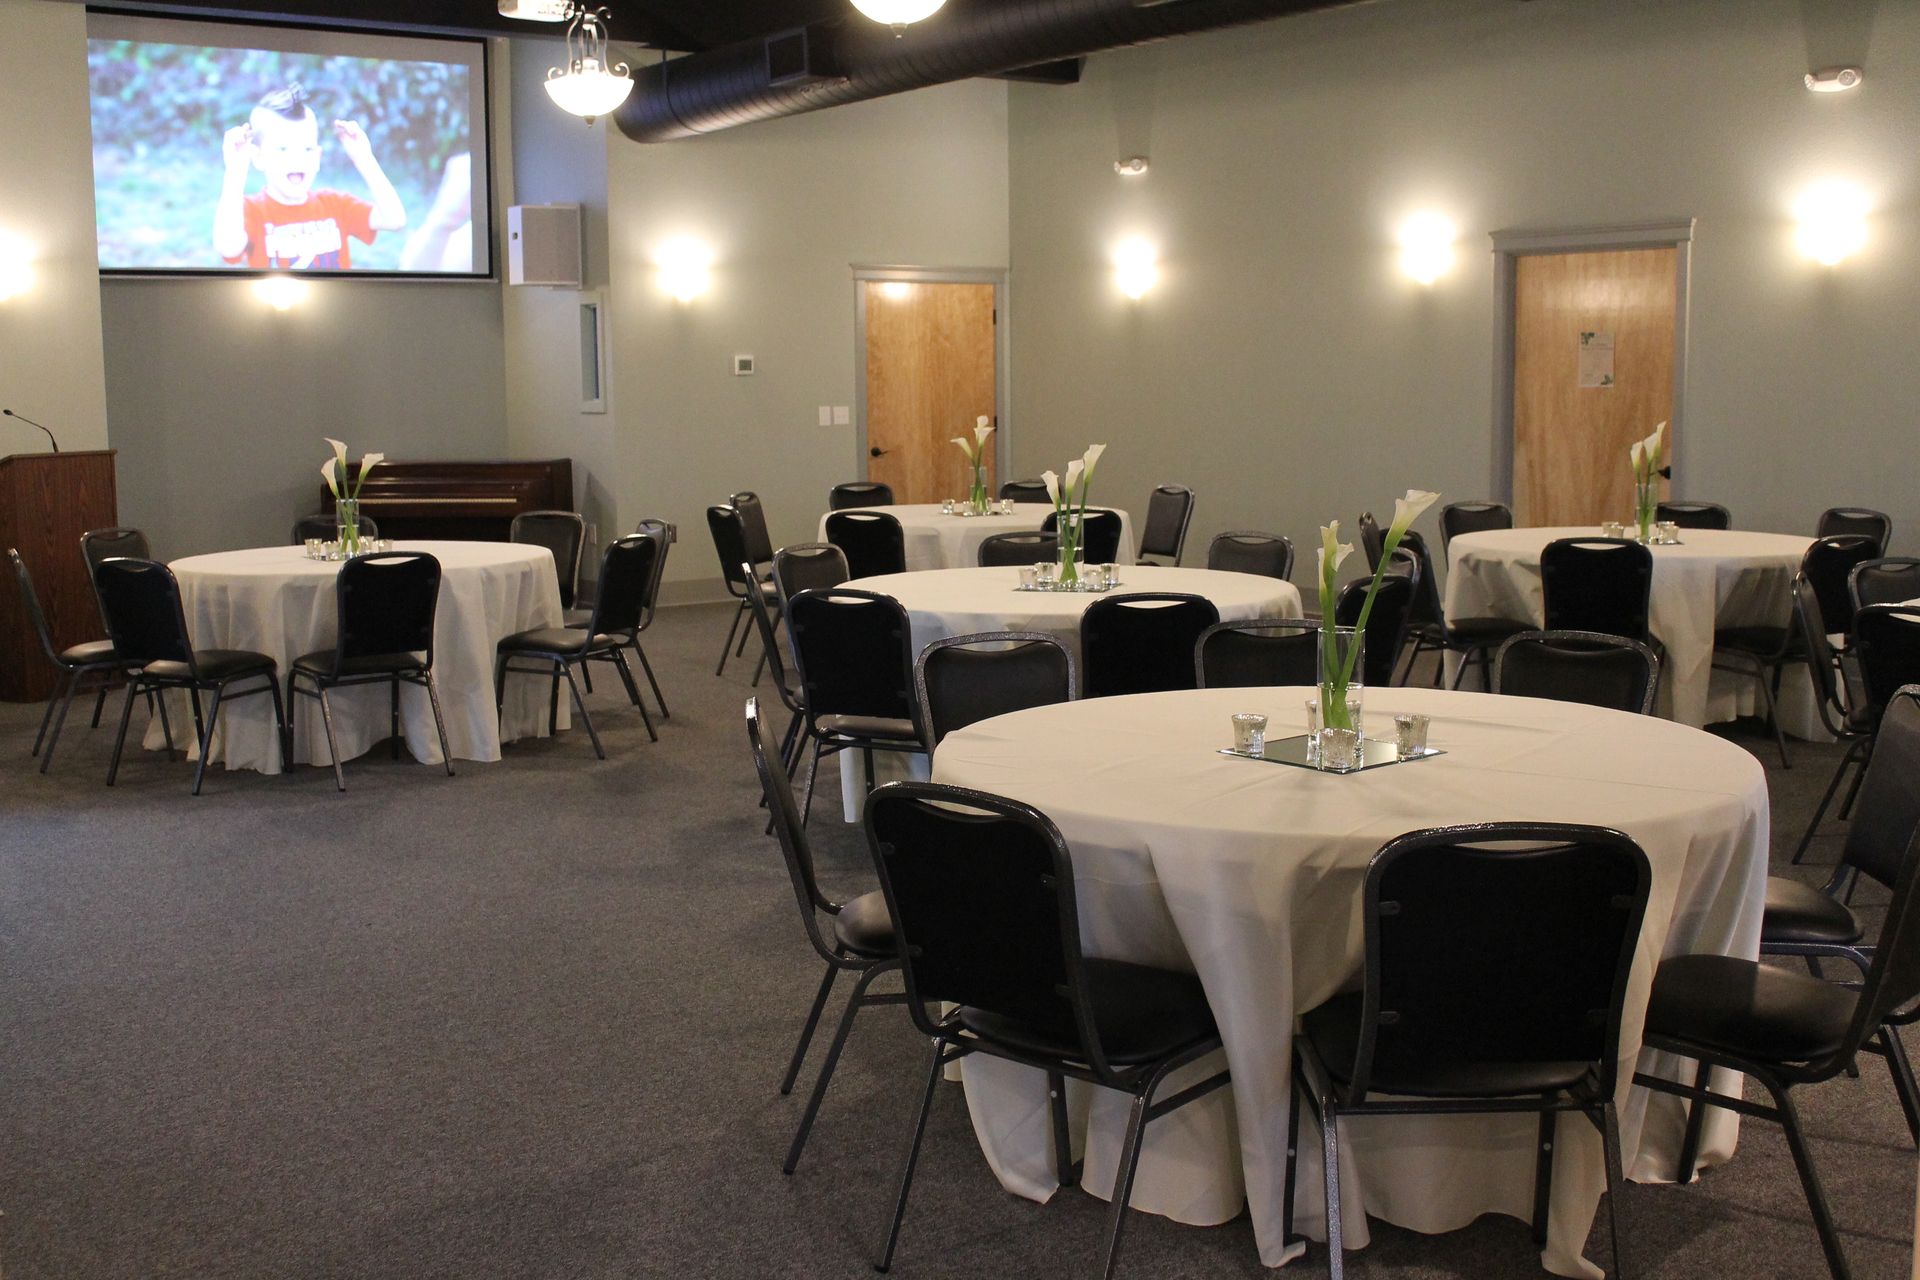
1294, 1103
60, 721
586, 675
120, 739
1696, 1118
439, 723
1610, 1144
1903, 1083
553, 698
281, 722
100, 699
1062, 1133
1809, 1180
633, 692
500, 686
206, 735
580, 704
199, 720
820, 1083
913, 1157
806, 810
1853, 792
726, 648
1820, 811
333, 747
158, 698
648, 668
807, 1029
1543, 1175
1330, 1153
1123, 1181
46, 717
1773, 718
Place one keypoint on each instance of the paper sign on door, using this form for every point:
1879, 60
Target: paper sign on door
1596, 358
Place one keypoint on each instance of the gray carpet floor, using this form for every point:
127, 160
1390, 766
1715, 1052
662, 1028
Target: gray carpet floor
529, 1022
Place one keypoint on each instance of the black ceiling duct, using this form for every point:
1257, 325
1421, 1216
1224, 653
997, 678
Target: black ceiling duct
742, 83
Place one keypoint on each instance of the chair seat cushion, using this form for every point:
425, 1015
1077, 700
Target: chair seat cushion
1142, 1013
1799, 913
215, 664
554, 640
1747, 1010
1761, 642
322, 664
878, 727
864, 927
1333, 1029
89, 653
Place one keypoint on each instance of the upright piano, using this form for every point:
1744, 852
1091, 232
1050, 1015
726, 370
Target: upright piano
467, 501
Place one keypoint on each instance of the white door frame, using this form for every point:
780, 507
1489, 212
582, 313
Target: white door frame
1002, 350
1675, 233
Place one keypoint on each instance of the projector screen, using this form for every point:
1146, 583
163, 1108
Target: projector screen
233, 148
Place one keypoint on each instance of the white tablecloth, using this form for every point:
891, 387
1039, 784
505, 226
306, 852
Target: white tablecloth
936, 540
1716, 578
1249, 874
273, 600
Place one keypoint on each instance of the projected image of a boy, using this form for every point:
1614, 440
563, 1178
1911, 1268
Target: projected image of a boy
292, 224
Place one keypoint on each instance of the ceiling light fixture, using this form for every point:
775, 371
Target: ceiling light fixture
587, 86
898, 13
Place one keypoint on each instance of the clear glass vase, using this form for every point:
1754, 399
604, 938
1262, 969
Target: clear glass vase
346, 523
1644, 509
977, 501
1073, 557
1342, 663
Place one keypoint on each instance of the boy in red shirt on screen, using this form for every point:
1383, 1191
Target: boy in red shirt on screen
291, 225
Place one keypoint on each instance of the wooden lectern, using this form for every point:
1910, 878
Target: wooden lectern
47, 500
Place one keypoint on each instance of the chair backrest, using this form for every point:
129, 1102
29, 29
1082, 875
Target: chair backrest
873, 542
1025, 491
1481, 954
1250, 551
1457, 518
564, 533
666, 533
30, 601
1169, 512
730, 543
386, 602
626, 578
1887, 580
141, 602
1099, 535
321, 526
776, 652
808, 566
1578, 666
1598, 584
984, 910
777, 787
1886, 644
1822, 665
1426, 595
1828, 566
1142, 642
1373, 541
1886, 813
1387, 624
1021, 548
1694, 515
753, 518
100, 545
961, 680
859, 493
1254, 655
1864, 521
854, 650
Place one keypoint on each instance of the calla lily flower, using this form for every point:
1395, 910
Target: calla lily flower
1092, 457
1408, 509
964, 446
1332, 551
1637, 454
327, 474
1052, 481
369, 462
981, 430
1076, 474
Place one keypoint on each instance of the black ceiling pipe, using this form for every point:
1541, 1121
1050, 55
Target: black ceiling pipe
854, 60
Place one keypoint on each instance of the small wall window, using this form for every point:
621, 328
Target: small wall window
593, 354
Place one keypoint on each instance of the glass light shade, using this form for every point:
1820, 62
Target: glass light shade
898, 13
589, 89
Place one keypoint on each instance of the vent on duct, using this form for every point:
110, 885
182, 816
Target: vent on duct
830, 64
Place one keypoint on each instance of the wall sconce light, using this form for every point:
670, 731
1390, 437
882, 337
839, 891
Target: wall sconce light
16, 266
1832, 221
282, 293
686, 268
1136, 267
1426, 247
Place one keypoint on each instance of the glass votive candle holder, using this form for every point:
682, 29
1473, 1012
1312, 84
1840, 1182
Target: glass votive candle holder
1612, 529
1093, 579
1110, 573
946, 507
1410, 734
1669, 532
1313, 718
316, 548
1029, 576
1044, 572
1250, 733
1339, 749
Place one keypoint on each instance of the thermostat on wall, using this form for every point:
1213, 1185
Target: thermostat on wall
743, 366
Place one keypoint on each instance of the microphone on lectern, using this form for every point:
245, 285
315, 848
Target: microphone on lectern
30, 422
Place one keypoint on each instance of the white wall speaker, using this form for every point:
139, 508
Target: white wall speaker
544, 245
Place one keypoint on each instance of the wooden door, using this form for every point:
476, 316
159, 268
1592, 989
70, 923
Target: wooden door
930, 375
1593, 360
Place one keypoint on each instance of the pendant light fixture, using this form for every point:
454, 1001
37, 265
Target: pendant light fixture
587, 86
898, 13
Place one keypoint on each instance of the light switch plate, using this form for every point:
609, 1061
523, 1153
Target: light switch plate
842, 416
826, 415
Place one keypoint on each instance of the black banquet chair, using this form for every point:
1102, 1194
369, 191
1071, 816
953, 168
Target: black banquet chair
1598, 584
1694, 515
859, 493
1251, 551
853, 936
666, 533
1887, 580
1494, 981
1169, 512
961, 680
98, 546
385, 613
854, 653
1025, 491
148, 629
1387, 624
564, 533
1431, 630
1099, 538
730, 541
807, 566
90, 659
1257, 654
1457, 518
1828, 567
1579, 666
1839, 696
1023, 548
626, 571
785, 683
986, 919
1142, 642
323, 526
873, 541
1862, 521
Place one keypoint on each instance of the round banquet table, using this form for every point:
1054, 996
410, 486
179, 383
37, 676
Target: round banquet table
936, 540
1249, 874
1715, 578
275, 601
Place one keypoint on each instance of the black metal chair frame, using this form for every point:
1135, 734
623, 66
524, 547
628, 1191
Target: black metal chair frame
731, 557
827, 741
1259, 630
1099, 523
1849, 721
1042, 545
1317, 1081
73, 668
1457, 518
1014, 640
146, 680
576, 525
859, 528
952, 1041
1025, 491
665, 533
792, 698
1835, 521
1162, 494
1430, 630
1122, 606
1694, 515
97, 546
1863, 593
859, 493
1588, 640
1252, 539
419, 674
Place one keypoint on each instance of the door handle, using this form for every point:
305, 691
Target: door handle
876, 452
